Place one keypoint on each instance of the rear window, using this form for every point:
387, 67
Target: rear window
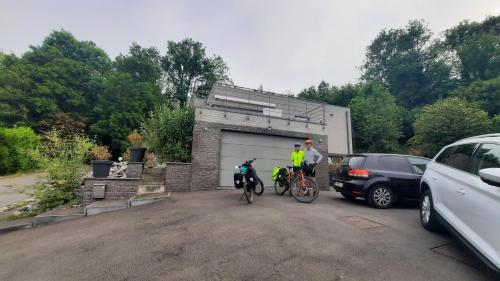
461, 157
487, 156
443, 156
355, 162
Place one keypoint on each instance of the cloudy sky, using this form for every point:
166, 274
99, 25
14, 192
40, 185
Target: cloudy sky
283, 45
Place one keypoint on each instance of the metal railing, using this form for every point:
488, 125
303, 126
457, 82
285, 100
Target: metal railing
247, 101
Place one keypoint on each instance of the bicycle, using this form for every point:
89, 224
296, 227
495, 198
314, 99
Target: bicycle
302, 187
247, 178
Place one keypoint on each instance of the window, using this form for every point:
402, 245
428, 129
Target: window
354, 162
395, 163
441, 158
418, 164
488, 156
461, 157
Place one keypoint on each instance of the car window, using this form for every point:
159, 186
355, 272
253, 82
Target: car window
395, 163
461, 157
355, 162
443, 156
418, 164
487, 156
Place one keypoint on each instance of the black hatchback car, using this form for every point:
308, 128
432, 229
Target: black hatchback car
381, 179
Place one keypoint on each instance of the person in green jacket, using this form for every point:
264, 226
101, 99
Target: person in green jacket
297, 158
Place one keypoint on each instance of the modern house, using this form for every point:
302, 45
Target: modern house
234, 124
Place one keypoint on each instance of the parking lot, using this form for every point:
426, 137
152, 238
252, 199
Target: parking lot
213, 236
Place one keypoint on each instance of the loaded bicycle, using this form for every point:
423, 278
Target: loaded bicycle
302, 187
246, 178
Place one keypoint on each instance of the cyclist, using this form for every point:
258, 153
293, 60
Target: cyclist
297, 158
311, 158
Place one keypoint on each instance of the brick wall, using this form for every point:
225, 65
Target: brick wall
115, 188
206, 148
178, 177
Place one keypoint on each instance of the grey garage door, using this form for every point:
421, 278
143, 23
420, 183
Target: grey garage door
269, 151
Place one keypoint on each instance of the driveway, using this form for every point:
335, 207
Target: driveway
8, 186
212, 236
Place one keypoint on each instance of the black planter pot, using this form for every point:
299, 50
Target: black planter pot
137, 153
100, 168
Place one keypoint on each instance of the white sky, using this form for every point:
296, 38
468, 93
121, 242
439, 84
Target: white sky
284, 45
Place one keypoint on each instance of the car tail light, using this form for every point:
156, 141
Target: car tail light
359, 173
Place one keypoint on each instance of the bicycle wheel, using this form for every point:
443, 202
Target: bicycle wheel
304, 191
279, 187
249, 191
259, 189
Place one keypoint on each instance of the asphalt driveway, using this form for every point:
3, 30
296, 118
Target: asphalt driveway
212, 236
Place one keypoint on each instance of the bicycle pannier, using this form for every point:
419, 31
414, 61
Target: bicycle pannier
238, 180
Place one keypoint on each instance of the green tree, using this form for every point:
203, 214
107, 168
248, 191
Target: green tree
447, 121
477, 47
190, 72
409, 65
61, 75
486, 93
340, 96
376, 120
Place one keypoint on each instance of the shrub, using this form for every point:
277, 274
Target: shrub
101, 152
63, 159
168, 133
447, 121
16, 149
135, 138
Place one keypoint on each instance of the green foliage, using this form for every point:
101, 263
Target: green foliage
447, 121
486, 93
63, 160
409, 65
17, 146
168, 133
340, 96
376, 120
190, 72
495, 128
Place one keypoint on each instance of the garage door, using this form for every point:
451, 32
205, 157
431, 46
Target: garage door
269, 151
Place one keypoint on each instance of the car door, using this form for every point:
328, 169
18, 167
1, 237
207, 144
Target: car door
480, 205
450, 181
401, 178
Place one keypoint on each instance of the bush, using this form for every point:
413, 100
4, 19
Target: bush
63, 159
447, 121
168, 133
17, 146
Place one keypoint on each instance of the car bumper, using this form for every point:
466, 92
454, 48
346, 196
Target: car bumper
353, 187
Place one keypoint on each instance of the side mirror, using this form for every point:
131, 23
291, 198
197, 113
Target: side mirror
490, 176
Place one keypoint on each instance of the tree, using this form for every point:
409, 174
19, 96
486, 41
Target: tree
340, 96
409, 64
61, 75
376, 120
486, 93
447, 121
477, 47
190, 72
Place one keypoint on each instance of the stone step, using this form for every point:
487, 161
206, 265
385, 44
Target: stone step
148, 198
105, 206
153, 171
150, 188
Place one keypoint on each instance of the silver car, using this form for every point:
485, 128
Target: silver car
460, 191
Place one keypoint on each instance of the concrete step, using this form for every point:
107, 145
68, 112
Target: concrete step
148, 198
150, 188
152, 182
59, 215
105, 206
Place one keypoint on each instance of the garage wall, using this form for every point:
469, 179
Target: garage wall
269, 150
206, 156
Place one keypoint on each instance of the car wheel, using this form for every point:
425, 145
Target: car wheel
428, 216
348, 195
381, 197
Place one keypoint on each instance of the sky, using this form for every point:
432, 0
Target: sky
285, 46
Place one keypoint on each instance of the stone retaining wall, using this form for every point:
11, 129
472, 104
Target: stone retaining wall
116, 188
